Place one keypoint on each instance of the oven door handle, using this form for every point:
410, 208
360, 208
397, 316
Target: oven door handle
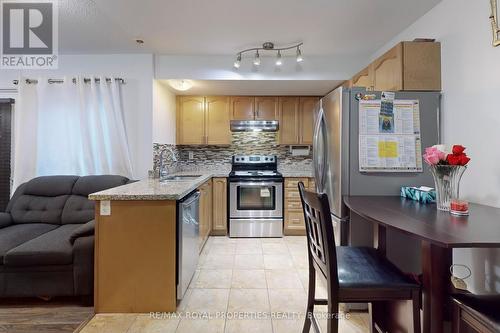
255, 184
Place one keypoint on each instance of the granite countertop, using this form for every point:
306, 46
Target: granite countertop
291, 172
153, 189
297, 174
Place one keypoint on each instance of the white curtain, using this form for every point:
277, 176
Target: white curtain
70, 128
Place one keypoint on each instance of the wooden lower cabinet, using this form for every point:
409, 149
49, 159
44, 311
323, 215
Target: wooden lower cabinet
219, 207
294, 215
205, 212
135, 257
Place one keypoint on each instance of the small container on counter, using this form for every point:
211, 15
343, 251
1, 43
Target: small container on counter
421, 194
459, 207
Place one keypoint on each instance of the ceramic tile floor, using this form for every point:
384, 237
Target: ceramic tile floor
246, 276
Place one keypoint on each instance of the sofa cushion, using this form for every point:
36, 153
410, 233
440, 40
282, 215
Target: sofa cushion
50, 186
78, 208
41, 200
17, 234
38, 209
84, 230
51, 248
5, 220
89, 184
17, 193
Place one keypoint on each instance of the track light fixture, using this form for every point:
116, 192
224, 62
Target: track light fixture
268, 46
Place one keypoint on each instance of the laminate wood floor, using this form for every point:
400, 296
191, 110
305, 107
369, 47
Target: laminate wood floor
37, 316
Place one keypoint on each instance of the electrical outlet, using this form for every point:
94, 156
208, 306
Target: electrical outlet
191, 155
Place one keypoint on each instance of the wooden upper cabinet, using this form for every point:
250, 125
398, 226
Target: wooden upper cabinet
190, 120
217, 120
408, 66
296, 116
363, 79
289, 120
422, 66
242, 107
266, 108
388, 70
308, 106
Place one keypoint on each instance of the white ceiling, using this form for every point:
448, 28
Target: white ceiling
222, 27
258, 87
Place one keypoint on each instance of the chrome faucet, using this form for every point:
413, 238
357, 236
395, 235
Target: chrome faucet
162, 168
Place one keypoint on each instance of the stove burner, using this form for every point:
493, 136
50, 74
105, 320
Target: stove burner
255, 166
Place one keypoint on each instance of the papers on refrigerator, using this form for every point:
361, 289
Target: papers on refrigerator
389, 140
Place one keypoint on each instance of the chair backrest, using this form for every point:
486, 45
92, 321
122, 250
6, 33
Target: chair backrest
320, 237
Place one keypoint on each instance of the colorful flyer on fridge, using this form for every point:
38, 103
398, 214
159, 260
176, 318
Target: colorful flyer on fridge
386, 114
389, 135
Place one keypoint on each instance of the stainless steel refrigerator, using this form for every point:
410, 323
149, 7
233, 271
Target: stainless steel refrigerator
336, 167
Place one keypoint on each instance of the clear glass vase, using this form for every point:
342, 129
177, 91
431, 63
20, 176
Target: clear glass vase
447, 183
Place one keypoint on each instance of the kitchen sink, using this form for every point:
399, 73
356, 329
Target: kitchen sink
179, 178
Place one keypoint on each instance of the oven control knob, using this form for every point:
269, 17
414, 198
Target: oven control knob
267, 158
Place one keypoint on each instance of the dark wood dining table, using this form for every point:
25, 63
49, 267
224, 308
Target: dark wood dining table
439, 232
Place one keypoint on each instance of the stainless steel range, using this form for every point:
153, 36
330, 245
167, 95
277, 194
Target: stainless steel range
255, 197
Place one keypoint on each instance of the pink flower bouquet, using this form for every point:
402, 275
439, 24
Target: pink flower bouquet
435, 154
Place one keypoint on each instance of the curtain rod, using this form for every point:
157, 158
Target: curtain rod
8, 90
86, 80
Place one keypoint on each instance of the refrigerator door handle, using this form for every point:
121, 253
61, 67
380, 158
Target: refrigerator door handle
318, 173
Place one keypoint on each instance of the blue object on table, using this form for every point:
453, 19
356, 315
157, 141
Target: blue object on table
421, 194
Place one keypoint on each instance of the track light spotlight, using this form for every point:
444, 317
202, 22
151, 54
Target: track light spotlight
299, 55
237, 63
279, 61
256, 59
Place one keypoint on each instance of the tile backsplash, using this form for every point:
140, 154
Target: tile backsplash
219, 158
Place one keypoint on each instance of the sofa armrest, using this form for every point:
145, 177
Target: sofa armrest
83, 266
86, 229
5, 220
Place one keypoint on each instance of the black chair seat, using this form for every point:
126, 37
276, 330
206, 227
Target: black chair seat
365, 268
485, 307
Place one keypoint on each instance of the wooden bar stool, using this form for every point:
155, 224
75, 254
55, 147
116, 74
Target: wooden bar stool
352, 274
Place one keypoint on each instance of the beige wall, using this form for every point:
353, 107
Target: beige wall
471, 89
470, 111
163, 114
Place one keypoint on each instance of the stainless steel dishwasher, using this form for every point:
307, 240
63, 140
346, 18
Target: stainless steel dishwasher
188, 230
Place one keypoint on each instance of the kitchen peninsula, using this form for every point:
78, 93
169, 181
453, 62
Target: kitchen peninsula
135, 244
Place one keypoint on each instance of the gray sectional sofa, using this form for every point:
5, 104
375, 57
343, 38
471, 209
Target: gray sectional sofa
47, 237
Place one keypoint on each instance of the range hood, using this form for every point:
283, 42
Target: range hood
254, 125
